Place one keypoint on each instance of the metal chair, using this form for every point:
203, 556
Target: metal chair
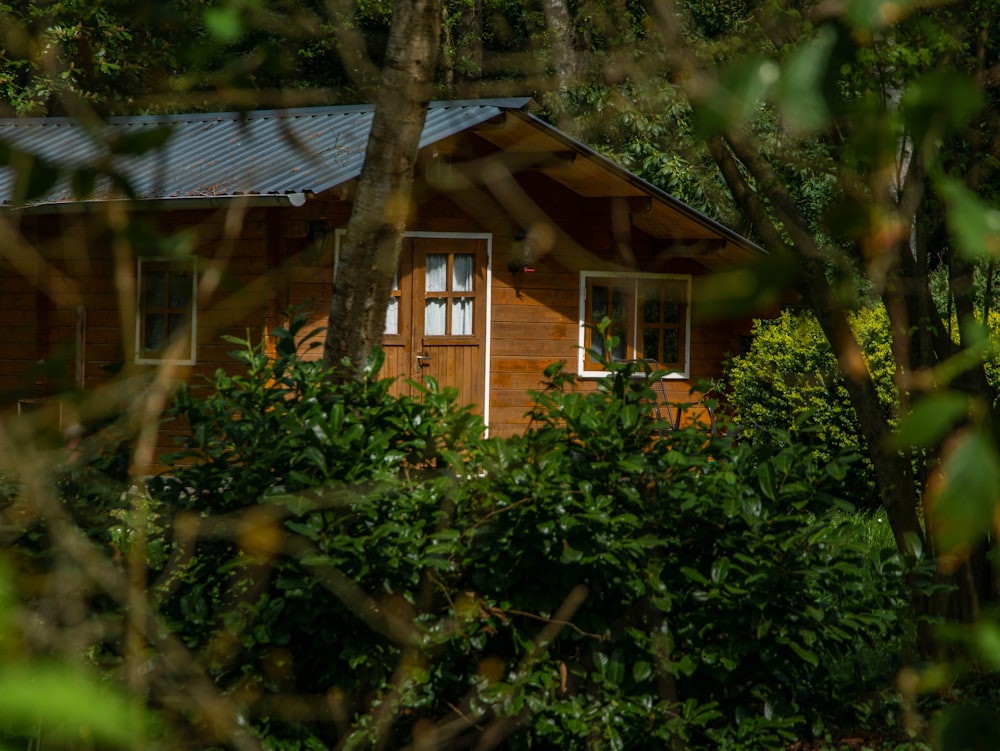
661, 406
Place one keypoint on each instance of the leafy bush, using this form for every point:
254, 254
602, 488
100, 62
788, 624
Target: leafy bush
790, 380
594, 583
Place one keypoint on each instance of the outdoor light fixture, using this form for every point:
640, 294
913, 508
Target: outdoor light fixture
522, 253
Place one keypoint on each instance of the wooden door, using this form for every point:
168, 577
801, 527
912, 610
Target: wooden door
436, 321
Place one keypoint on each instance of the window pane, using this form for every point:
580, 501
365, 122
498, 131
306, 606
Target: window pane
671, 312
434, 317
461, 316
651, 344
598, 303
461, 272
618, 312
155, 332
651, 307
155, 289
618, 353
436, 273
392, 316
671, 349
179, 290
177, 325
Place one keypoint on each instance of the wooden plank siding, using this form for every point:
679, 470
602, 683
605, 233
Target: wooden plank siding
271, 267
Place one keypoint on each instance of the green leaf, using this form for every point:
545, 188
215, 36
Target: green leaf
967, 727
974, 224
641, 671
931, 419
615, 670
66, 703
569, 554
34, 177
720, 569
766, 480
804, 653
876, 14
962, 507
801, 99
740, 89
141, 140
224, 24
694, 575
940, 103
986, 637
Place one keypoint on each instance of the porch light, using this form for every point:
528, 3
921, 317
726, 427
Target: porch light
522, 253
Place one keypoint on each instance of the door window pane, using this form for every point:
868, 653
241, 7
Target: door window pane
435, 314
461, 316
436, 273
461, 274
392, 316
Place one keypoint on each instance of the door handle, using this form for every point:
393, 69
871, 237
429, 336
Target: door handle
423, 360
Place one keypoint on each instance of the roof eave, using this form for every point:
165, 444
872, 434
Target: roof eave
177, 203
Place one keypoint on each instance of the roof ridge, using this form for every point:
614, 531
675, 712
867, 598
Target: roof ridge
523, 102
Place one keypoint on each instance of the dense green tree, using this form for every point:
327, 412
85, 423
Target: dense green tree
847, 136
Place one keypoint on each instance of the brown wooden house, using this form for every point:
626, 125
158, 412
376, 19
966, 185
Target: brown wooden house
519, 237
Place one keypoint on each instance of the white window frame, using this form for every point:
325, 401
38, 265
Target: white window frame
191, 358
636, 278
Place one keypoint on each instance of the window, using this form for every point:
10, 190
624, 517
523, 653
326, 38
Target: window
165, 310
448, 294
649, 320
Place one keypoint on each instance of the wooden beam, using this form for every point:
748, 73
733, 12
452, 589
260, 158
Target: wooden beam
691, 248
521, 161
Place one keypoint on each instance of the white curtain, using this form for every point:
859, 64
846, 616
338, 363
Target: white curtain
436, 279
392, 316
434, 317
461, 272
461, 316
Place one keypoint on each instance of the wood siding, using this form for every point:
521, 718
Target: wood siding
275, 265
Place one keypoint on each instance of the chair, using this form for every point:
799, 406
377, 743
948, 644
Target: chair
661, 406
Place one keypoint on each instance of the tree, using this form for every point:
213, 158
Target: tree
374, 235
901, 137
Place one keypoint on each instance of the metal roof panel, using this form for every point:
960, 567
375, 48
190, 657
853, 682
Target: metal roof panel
226, 154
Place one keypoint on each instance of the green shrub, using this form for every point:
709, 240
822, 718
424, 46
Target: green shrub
593, 583
789, 380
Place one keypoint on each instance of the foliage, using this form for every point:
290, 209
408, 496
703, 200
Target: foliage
789, 379
591, 583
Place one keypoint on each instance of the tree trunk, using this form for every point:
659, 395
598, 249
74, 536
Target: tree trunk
370, 252
561, 43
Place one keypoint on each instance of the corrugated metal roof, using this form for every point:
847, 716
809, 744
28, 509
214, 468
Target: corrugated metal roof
277, 153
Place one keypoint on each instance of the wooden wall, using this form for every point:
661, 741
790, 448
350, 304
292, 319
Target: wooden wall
271, 267
73, 308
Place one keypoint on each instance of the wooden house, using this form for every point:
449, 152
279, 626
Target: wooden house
519, 237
